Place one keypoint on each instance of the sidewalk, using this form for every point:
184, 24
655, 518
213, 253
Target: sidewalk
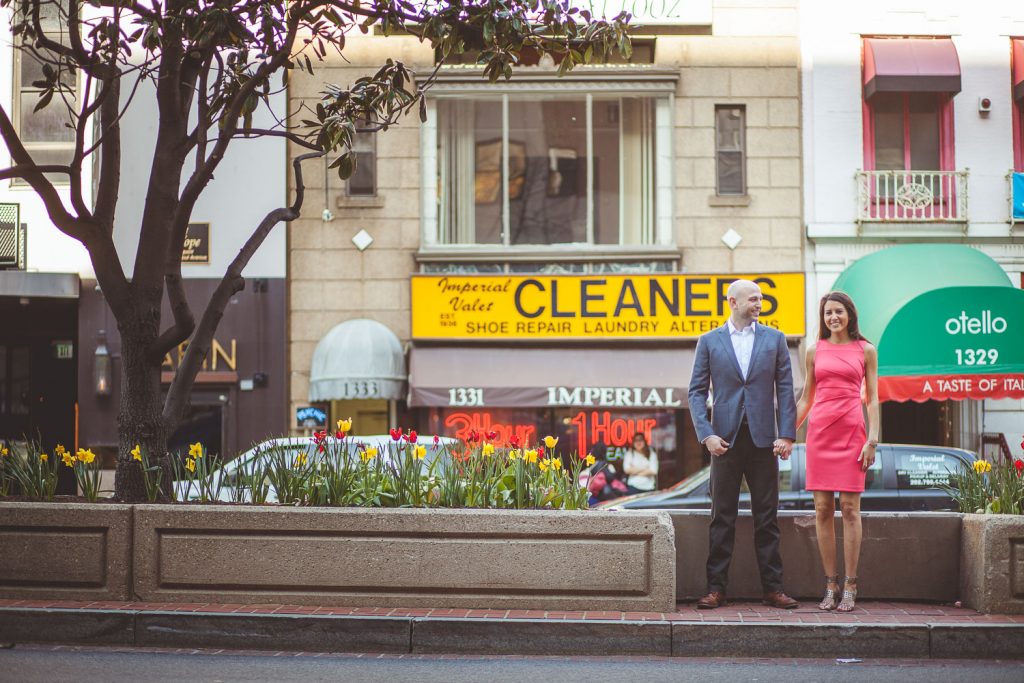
874, 630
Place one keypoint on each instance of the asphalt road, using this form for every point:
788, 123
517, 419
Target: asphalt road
31, 664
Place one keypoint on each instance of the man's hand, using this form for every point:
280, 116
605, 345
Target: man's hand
716, 445
783, 448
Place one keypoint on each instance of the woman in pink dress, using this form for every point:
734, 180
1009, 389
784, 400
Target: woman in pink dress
839, 449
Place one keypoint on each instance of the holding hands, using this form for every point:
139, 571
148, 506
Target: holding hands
783, 448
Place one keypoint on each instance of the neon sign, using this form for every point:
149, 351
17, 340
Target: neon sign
464, 423
612, 432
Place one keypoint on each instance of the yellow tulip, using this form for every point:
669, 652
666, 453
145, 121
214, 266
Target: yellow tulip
345, 425
196, 450
590, 459
550, 441
369, 454
137, 453
487, 450
420, 452
85, 456
530, 455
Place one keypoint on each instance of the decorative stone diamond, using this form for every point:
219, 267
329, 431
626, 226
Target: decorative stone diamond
732, 238
362, 240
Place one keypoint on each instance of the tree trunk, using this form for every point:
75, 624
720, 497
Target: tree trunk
140, 421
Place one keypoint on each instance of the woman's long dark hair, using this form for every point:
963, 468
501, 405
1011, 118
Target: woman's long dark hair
844, 299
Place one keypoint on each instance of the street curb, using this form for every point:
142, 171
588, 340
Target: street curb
89, 627
451, 635
801, 640
535, 637
300, 632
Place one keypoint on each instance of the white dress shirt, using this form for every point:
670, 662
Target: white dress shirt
742, 344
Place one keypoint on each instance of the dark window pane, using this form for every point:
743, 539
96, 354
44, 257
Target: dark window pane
924, 131
363, 181
21, 372
49, 124
608, 163
730, 173
888, 120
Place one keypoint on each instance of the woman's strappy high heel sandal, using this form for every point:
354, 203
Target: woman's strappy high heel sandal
849, 595
831, 599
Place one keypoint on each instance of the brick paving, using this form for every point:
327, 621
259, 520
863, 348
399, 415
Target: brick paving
867, 612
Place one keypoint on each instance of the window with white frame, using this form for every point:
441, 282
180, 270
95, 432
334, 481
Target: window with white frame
45, 133
550, 168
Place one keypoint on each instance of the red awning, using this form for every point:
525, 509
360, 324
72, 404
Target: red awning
1018, 68
950, 387
910, 65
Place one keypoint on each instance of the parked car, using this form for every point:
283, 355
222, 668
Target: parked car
227, 476
902, 478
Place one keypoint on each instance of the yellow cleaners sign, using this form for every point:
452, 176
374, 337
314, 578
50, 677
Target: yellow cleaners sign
556, 307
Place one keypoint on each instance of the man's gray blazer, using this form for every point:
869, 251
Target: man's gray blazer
769, 386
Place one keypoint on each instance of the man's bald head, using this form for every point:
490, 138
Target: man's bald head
745, 302
742, 288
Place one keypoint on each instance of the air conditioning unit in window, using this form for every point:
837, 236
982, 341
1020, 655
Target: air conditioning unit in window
12, 237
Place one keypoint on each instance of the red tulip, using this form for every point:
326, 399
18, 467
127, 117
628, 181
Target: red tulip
412, 436
1019, 466
491, 436
513, 441
396, 434
473, 437
437, 439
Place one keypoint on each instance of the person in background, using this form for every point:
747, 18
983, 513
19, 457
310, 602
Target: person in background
641, 466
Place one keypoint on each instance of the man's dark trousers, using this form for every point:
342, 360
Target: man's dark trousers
761, 469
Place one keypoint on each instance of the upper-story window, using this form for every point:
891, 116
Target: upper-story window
908, 106
730, 149
363, 181
549, 164
45, 133
1017, 71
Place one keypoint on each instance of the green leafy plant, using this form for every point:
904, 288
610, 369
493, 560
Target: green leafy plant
86, 468
34, 471
989, 489
152, 474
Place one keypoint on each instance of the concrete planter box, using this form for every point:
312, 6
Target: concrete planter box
71, 551
903, 556
992, 565
405, 558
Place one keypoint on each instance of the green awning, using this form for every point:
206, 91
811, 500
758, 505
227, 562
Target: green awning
946, 319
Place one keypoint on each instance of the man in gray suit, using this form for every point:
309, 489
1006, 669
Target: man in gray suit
746, 368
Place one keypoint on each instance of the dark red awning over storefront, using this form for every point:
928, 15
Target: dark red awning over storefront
910, 65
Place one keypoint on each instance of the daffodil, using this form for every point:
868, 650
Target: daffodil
550, 441
345, 425
982, 466
44, 457
137, 453
4, 451
66, 458
487, 450
300, 460
190, 464
368, 454
195, 450
590, 459
420, 452
85, 455
514, 454
530, 455
556, 464
543, 465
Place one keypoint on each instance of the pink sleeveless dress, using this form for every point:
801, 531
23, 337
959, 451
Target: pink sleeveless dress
835, 428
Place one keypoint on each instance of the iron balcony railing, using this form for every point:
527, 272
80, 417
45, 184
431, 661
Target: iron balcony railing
912, 196
12, 237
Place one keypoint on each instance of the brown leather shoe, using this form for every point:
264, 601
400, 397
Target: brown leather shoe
712, 600
780, 600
